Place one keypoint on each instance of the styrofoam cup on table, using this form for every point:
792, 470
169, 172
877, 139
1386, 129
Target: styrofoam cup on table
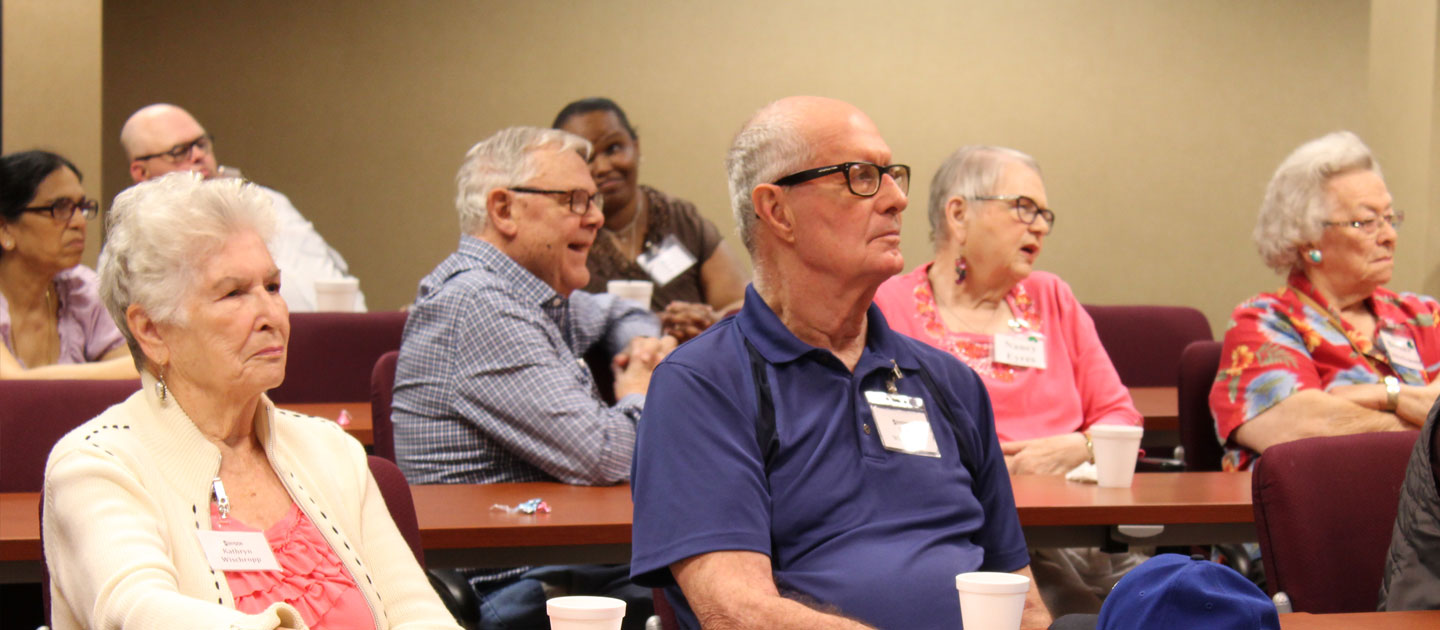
990, 600
636, 290
1116, 449
336, 295
585, 612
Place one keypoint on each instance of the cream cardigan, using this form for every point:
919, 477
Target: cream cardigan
125, 492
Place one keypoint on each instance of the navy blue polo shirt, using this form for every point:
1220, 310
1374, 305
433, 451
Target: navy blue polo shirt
878, 534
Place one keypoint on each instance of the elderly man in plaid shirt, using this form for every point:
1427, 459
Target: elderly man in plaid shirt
490, 386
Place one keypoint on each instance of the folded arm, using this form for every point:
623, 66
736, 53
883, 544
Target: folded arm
1312, 413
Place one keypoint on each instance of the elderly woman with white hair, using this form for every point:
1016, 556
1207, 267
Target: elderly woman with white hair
1333, 352
195, 503
1023, 332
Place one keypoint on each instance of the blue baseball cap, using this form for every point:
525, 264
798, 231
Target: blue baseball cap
1176, 592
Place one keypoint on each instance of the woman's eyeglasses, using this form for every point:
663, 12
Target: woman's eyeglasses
1370, 226
1025, 208
64, 209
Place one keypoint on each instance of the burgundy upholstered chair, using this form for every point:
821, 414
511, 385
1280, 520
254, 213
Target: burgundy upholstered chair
1324, 511
36, 414
331, 355
1144, 342
1198, 365
33, 416
382, 393
449, 584
400, 502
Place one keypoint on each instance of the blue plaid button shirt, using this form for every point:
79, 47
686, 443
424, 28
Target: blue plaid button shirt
490, 386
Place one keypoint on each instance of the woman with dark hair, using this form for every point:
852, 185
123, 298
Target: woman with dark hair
649, 235
52, 323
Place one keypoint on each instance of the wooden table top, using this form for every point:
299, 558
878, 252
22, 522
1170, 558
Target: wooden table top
361, 423
1155, 498
1407, 620
1160, 406
19, 526
460, 516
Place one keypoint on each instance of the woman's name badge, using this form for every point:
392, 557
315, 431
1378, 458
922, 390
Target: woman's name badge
1402, 351
902, 423
666, 260
237, 551
1022, 349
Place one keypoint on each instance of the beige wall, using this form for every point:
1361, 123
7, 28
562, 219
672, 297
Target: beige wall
51, 93
1157, 123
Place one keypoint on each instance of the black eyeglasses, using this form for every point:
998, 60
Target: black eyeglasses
1370, 226
182, 150
578, 199
64, 209
1025, 208
863, 178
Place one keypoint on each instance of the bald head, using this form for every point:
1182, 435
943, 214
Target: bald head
780, 139
154, 130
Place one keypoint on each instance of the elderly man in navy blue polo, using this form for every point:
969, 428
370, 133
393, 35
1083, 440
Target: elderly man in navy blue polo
801, 465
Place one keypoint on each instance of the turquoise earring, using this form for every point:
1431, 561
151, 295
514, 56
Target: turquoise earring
1314, 256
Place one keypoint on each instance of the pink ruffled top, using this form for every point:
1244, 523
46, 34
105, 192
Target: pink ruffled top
310, 578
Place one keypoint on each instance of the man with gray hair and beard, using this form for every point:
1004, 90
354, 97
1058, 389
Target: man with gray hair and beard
489, 386
801, 465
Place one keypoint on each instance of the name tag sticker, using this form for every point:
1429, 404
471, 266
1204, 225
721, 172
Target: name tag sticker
1402, 351
1023, 349
666, 260
902, 423
237, 551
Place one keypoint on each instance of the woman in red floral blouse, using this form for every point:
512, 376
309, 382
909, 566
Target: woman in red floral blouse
1332, 352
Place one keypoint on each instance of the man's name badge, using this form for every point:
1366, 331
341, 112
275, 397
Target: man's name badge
902, 423
1022, 349
666, 260
1402, 351
237, 551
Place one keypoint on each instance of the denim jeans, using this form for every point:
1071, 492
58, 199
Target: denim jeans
519, 603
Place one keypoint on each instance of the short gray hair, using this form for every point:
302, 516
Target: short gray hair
1296, 201
970, 172
769, 146
502, 160
159, 229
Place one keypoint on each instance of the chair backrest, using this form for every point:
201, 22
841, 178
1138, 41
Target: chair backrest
382, 393
1144, 342
1324, 511
36, 414
401, 503
1198, 365
331, 354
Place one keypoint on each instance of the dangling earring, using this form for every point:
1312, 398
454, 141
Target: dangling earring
1314, 255
161, 391
962, 269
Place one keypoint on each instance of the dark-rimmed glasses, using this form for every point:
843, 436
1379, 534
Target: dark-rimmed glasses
1025, 208
578, 199
863, 178
1370, 226
64, 209
182, 150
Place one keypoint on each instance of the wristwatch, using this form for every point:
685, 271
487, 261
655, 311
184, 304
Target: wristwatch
1392, 393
